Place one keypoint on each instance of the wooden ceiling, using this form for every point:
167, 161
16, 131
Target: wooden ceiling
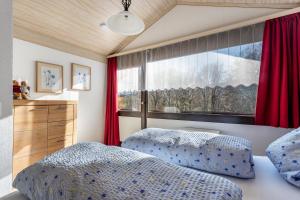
76, 22
73, 25
243, 3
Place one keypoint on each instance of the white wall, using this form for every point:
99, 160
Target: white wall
91, 107
186, 20
128, 125
260, 136
5, 96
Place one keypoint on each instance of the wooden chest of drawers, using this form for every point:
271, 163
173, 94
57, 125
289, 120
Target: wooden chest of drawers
41, 128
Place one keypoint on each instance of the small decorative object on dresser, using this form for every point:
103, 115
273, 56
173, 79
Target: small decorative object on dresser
25, 90
42, 127
21, 90
49, 77
17, 90
81, 77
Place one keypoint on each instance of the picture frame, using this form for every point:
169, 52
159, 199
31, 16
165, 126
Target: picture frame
49, 77
81, 77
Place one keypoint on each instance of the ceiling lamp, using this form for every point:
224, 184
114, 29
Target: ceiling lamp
125, 22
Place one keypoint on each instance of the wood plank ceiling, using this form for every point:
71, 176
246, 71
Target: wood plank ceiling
73, 25
243, 3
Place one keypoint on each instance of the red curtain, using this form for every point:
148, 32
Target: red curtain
111, 132
279, 87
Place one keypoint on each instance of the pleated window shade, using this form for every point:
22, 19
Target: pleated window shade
244, 35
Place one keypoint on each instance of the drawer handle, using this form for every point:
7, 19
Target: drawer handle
61, 108
60, 125
38, 109
60, 141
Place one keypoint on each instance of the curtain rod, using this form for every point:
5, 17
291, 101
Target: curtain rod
209, 32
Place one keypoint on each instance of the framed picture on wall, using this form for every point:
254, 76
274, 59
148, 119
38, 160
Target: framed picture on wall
81, 77
49, 77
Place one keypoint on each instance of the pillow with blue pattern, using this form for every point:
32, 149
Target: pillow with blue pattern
222, 154
284, 153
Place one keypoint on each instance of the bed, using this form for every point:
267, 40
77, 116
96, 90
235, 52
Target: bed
89, 171
268, 185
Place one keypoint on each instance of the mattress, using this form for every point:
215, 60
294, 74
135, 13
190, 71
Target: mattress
268, 184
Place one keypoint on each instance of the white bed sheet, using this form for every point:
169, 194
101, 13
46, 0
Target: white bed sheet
14, 196
268, 185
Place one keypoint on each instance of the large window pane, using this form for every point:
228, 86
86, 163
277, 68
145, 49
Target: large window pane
129, 97
221, 78
130, 82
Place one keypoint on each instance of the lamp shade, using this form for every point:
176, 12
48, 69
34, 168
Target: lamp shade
125, 23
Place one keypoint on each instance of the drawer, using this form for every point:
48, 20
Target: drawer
60, 129
29, 117
29, 142
21, 163
59, 143
28, 126
61, 113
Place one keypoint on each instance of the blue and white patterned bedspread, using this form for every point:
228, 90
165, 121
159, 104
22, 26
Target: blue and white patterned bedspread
222, 154
89, 171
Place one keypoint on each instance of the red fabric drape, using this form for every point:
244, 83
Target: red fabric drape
278, 90
111, 132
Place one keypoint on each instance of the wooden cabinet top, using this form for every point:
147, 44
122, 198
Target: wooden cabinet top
42, 102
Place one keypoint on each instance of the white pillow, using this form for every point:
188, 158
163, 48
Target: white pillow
284, 153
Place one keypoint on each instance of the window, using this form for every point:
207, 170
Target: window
128, 92
221, 78
130, 83
216, 74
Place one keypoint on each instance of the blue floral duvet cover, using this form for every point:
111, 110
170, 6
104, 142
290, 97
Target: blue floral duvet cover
92, 171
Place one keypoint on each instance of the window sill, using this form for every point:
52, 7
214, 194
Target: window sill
204, 117
129, 113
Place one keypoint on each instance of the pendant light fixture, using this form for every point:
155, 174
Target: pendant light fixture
125, 22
